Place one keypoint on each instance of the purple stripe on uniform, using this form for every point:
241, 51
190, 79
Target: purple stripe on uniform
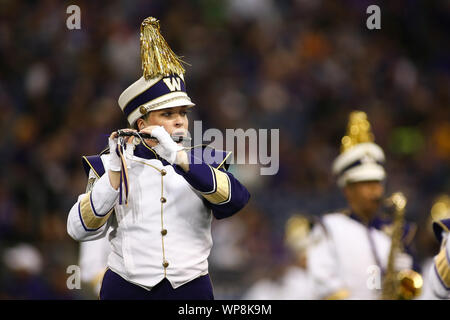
93, 208
142, 152
200, 175
155, 91
120, 188
96, 163
125, 182
95, 212
114, 287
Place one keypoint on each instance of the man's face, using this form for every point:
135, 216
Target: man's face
174, 120
364, 197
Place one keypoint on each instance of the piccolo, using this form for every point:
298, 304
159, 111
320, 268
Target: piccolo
123, 133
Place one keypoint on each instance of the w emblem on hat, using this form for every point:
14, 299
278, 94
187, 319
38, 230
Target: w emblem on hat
173, 83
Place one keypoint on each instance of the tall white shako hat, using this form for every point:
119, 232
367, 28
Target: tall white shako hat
162, 83
360, 159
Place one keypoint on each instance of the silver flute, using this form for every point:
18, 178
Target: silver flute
123, 133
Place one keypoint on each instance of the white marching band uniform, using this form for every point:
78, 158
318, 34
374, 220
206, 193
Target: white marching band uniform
161, 229
439, 273
346, 257
151, 242
296, 284
137, 253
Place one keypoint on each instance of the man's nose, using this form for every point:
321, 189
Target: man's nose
377, 191
179, 120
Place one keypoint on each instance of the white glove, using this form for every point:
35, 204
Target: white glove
114, 159
167, 148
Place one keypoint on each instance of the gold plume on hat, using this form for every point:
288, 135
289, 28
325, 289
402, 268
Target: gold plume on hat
157, 57
358, 131
441, 208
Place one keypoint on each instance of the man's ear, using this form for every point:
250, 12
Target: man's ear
140, 124
347, 191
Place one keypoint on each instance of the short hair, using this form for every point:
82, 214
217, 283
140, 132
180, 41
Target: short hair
144, 117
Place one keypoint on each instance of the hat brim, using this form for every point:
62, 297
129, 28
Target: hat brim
174, 100
364, 172
357, 152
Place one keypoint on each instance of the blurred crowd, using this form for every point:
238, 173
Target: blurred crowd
296, 65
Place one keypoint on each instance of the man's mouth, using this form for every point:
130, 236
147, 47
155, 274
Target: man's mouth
179, 133
180, 136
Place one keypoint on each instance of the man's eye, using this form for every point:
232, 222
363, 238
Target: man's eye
183, 113
167, 114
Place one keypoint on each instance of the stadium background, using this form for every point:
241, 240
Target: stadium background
297, 65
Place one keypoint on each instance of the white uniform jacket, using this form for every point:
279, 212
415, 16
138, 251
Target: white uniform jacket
439, 273
165, 229
346, 258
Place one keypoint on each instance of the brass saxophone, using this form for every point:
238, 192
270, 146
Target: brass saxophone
404, 284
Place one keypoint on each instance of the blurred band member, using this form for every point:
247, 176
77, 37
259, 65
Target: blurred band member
350, 248
439, 273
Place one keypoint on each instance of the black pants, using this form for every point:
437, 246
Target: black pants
114, 287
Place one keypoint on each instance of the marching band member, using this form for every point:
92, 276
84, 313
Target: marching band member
296, 282
155, 197
292, 281
350, 248
439, 273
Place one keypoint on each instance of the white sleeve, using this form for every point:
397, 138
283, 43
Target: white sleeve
89, 217
323, 266
439, 276
93, 258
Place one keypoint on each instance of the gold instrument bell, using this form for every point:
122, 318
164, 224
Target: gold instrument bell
405, 284
410, 284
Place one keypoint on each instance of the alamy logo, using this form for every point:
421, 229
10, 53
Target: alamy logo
74, 280
374, 20
74, 20
249, 146
173, 83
